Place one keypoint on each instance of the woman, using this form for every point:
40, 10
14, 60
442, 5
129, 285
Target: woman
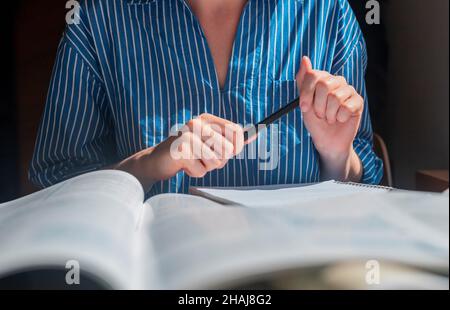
132, 70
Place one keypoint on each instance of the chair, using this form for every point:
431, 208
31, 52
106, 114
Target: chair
381, 150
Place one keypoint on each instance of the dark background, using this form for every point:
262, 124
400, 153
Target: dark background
407, 83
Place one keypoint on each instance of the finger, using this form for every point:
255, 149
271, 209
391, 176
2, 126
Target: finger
211, 133
195, 149
235, 135
323, 88
195, 126
203, 152
252, 134
231, 131
218, 143
305, 66
335, 99
306, 83
202, 128
353, 107
238, 140
212, 119
194, 168
190, 164
251, 139
308, 89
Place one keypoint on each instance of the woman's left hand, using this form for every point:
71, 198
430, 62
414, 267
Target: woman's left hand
332, 111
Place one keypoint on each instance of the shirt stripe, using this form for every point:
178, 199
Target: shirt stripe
133, 69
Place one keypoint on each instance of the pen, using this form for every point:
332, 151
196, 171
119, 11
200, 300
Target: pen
272, 118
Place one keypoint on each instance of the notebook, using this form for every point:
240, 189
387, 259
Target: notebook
284, 195
276, 235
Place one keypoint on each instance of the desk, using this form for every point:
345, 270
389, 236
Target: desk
432, 180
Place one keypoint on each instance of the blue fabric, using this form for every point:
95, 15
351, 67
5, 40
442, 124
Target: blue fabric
131, 70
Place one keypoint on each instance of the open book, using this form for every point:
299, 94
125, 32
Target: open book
174, 241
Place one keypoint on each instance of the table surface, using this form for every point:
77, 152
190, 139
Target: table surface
437, 174
432, 180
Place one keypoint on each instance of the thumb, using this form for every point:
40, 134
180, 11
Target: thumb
305, 67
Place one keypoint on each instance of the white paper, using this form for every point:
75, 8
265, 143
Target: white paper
198, 245
287, 196
91, 219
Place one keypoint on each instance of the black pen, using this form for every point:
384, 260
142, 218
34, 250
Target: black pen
271, 119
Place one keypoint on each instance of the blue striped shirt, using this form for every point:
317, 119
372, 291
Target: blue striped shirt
133, 69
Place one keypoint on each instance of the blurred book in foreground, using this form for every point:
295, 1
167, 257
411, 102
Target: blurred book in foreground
327, 235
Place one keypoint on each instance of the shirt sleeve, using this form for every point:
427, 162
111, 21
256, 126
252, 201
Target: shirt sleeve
350, 61
75, 134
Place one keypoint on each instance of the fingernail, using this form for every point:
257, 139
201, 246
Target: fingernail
303, 107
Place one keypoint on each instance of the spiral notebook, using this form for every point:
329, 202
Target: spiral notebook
285, 195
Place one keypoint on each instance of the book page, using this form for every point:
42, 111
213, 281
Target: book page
91, 219
271, 196
200, 244
426, 209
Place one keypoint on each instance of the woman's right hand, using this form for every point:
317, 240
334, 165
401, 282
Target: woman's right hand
204, 144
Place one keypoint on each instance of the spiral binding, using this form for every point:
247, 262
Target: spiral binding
365, 185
